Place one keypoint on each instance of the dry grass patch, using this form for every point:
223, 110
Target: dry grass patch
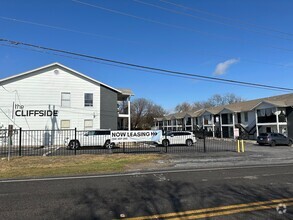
73, 165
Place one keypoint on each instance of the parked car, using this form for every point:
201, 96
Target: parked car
273, 139
178, 137
92, 138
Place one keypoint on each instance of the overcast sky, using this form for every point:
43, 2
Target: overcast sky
244, 40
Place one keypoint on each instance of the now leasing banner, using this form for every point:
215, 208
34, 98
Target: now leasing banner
136, 136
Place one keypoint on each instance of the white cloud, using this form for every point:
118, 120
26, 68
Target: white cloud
221, 68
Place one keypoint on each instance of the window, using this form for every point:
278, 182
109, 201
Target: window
88, 124
65, 124
98, 132
90, 133
65, 99
185, 133
246, 116
108, 132
230, 120
88, 99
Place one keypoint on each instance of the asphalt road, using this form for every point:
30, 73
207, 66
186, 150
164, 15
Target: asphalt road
134, 195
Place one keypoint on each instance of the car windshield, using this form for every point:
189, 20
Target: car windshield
167, 132
89, 133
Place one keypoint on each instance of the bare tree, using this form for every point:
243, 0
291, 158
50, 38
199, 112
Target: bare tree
143, 112
215, 100
183, 107
200, 105
229, 98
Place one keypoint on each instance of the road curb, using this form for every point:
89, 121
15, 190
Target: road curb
135, 173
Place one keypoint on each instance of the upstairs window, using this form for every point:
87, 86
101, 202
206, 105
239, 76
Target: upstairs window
88, 99
65, 99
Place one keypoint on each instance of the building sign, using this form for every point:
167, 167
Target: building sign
19, 111
136, 136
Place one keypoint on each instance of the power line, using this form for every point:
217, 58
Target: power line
184, 74
103, 36
16, 93
63, 29
209, 20
8, 90
227, 18
126, 67
140, 18
8, 117
179, 26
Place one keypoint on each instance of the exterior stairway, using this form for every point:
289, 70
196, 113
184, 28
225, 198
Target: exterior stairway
247, 132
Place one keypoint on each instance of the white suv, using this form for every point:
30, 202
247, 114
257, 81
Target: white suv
92, 138
178, 137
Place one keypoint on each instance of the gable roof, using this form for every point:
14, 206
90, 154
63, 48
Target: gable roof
177, 115
17, 76
213, 110
197, 113
278, 101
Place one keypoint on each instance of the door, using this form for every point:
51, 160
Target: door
173, 138
239, 118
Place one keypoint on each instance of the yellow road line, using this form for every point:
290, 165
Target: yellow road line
229, 212
214, 209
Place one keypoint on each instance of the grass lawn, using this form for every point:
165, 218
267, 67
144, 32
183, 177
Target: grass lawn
19, 167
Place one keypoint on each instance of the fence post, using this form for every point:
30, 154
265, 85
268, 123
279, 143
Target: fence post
123, 144
10, 133
204, 141
166, 147
75, 143
19, 142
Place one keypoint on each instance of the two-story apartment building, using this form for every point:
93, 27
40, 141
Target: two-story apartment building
56, 97
271, 114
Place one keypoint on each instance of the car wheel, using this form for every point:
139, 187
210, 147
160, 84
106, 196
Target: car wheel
290, 143
109, 145
74, 145
165, 143
189, 143
112, 145
273, 143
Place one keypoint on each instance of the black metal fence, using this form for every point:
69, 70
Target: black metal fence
73, 142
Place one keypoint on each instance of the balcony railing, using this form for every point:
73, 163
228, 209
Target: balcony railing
271, 119
123, 111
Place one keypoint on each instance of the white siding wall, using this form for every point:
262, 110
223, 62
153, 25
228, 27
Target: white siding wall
226, 111
43, 92
251, 119
264, 106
